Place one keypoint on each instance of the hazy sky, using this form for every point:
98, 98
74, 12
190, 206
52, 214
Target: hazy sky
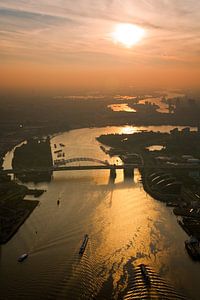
69, 43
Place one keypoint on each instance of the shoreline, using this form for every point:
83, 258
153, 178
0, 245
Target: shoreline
14, 210
165, 198
4, 238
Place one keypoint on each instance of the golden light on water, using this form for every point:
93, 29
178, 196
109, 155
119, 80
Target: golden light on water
128, 34
128, 130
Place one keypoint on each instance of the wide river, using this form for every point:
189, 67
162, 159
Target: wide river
126, 227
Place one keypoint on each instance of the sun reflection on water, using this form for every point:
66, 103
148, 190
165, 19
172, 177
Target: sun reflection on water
128, 130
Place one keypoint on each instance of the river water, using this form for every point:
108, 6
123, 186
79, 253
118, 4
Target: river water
126, 227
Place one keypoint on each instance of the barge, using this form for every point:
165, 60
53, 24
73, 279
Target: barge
84, 244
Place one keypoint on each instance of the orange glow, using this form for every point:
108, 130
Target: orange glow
56, 77
95, 45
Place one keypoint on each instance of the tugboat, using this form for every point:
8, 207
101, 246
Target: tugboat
22, 257
138, 287
145, 274
84, 244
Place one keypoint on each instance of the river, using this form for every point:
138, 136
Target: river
126, 227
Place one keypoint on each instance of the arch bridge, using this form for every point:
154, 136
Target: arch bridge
63, 164
80, 159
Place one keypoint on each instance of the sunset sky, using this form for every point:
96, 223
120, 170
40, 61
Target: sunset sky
65, 43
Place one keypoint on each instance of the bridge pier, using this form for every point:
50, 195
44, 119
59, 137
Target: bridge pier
129, 172
113, 174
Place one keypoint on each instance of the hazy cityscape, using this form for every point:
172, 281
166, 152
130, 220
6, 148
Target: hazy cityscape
99, 150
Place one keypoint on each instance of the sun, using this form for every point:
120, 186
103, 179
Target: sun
127, 34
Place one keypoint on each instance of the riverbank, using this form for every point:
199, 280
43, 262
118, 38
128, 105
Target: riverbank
186, 203
13, 215
164, 197
14, 210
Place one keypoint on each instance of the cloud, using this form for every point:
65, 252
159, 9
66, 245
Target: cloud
12, 19
78, 31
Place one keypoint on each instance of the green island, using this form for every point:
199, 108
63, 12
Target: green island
36, 153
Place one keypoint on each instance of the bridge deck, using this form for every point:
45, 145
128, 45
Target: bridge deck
69, 168
98, 167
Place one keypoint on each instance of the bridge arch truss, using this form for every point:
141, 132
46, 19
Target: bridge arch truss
82, 159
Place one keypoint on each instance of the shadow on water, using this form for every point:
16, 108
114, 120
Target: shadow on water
107, 290
34, 177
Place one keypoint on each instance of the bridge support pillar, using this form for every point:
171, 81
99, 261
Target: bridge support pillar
113, 174
128, 173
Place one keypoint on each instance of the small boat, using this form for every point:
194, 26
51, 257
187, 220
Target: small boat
84, 244
102, 148
193, 248
22, 257
58, 151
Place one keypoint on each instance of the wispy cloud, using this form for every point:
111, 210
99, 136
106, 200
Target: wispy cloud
78, 31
